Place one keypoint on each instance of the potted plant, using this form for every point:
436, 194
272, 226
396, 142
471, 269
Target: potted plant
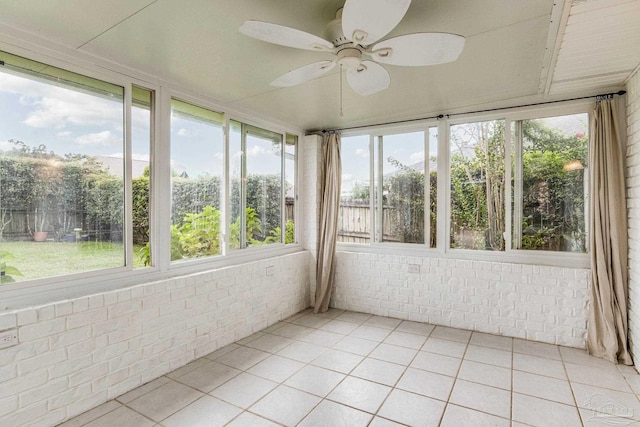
44, 196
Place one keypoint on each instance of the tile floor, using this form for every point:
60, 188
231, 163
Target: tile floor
352, 369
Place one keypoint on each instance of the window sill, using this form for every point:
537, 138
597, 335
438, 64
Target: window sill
552, 259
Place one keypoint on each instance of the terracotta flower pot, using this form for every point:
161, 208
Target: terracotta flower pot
40, 236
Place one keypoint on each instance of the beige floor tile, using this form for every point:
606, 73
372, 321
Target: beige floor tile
382, 322
164, 400
451, 334
490, 356
541, 412
437, 363
302, 352
243, 358
243, 390
493, 341
143, 389
188, 368
247, 419
204, 412
337, 360
426, 383
539, 365
378, 371
607, 376
270, 343
92, 414
538, 349
581, 357
405, 339
209, 376
543, 387
476, 372
355, 345
353, 317
329, 413
606, 401
444, 347
481, 397
457, 416
250, 338
311, 321
383, 422
121, 417
360, 394
323, 338
292, 331
285, 405
393, 354
369, 332
415, 328
315, 380
339, 327
276, 368
222, 351
412, 409
602, 419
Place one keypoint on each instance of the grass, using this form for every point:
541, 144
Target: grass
49, 259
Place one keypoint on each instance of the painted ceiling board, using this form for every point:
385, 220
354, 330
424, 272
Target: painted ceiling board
68, 22
599, 46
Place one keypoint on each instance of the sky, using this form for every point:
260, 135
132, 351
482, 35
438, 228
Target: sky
407, 148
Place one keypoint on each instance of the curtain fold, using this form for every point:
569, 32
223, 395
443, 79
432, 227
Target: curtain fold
328, 233
607, 328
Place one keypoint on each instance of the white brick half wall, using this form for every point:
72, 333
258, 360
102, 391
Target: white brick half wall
74, 355
539, 303
633, 206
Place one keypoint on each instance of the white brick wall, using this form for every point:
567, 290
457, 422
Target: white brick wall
633, 205
311, 164
539, 303
74, 355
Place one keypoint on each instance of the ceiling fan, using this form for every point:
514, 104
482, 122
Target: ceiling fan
354, 34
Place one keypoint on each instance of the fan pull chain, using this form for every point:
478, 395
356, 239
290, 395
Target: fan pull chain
341, 112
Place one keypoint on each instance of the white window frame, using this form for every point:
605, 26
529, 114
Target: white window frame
443, 227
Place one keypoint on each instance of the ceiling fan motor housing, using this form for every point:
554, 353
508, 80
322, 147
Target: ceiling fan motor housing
349, 57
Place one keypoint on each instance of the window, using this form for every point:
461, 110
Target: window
290, 192
477, 158
256, 186
141, 139
354, 215
401, 187
197, 170
61, 171
550, 184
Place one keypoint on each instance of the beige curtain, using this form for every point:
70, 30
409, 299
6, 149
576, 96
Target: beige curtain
329, 203
607, 328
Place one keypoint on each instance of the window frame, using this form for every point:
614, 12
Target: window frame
45, 290
443, 209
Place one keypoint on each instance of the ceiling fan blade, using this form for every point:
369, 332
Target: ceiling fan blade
366, 21
285, 36
368, 78
302, 74
418, 49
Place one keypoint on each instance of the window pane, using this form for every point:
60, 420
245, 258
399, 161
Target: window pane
264, 186
403, 166
477, 185
141, 124
354, 216
554, 166
256, 186
61, 171
197, 167
290, 153
433, 184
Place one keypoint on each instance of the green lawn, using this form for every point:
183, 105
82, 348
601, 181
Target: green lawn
47, 259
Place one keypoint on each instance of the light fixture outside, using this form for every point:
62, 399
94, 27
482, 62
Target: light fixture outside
573, 165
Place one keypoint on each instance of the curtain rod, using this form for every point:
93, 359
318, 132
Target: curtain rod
488, 110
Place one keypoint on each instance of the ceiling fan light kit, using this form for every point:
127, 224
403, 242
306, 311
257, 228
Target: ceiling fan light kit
352, 35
